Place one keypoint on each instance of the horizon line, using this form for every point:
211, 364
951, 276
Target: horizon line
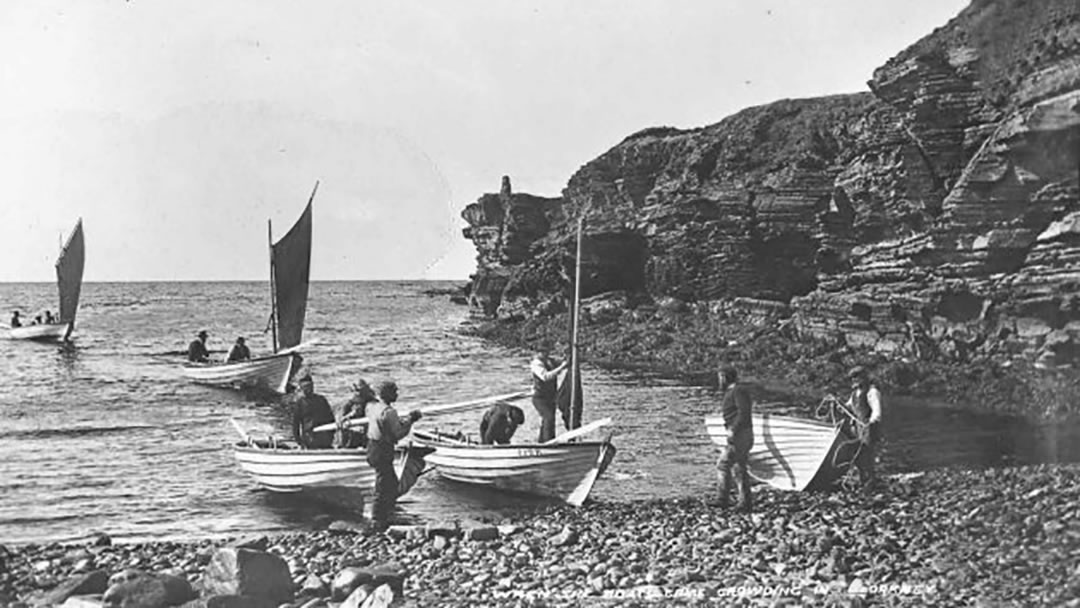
241, 281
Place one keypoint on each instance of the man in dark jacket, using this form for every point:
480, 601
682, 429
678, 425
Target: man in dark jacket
356, 409
384, 431
310, 410
865, 404
736, 405
196, 352
499, 423
239, 351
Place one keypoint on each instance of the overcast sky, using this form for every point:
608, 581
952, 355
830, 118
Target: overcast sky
177, 129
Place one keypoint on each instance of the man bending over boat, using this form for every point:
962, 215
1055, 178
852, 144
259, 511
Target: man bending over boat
312, 410
196, 352
356, 409
865, 404
239, 351
545, 381
736, 406
499, 423
384, 431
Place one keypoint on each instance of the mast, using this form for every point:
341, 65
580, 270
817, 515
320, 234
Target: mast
273, 290
575, 406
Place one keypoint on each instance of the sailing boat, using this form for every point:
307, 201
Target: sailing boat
560, 468
69, 273
290, 269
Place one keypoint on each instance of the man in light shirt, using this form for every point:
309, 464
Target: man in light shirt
865, 403
545, 381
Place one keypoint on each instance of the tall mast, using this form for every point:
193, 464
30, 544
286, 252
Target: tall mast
575, 408
273, 290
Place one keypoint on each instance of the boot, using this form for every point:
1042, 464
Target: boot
742, 483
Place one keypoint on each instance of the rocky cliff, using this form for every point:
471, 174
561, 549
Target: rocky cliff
936, 215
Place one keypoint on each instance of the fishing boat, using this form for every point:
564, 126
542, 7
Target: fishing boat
69, 274
290, 269
790, 453
562, 468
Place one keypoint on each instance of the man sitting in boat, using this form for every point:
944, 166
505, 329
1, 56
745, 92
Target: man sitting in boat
356, 409
49, 319
865, 404
545, 378
384, 431
239, 351
15, 320
499, 423
311, 410
736, 405
196, 352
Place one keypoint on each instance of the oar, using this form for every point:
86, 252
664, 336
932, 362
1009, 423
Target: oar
578, 432
435, 409
300, 346
239, 429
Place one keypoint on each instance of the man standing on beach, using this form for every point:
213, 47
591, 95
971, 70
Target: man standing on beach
545, 381
865, 404
384, 431
736, 405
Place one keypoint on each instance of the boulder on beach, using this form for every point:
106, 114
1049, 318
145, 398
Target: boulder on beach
82, 584
262, 576
350, 579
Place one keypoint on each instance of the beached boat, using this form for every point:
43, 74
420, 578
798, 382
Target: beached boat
564, 471
792, 453
558, 469
282, 466
69, 274
290, 269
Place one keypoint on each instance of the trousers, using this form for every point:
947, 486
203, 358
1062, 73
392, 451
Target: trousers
733, 462
545, 407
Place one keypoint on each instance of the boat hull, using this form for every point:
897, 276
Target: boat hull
46, 332
565, 471
268, 373
791, 453
285, 468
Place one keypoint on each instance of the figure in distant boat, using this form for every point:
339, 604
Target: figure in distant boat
239, 351
384, 431
545, 381
736, 406
197, 352
16, 321
499, 423
37, 320
865, 404
311, 410
49, 319
356, 409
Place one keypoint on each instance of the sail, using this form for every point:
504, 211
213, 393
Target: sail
291, 268
69, 272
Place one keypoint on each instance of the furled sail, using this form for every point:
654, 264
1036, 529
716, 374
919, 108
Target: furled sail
69, 273
292, 267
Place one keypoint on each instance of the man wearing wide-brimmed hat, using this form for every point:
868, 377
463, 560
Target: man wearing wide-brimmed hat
197, 352
865, 404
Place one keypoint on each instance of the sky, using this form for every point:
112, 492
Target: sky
176, 131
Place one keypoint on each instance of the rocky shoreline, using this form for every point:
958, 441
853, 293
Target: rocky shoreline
947, 537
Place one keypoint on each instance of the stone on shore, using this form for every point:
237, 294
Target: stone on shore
350, 579
83, 584
262, 576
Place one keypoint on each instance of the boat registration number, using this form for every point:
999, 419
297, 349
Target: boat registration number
530, 452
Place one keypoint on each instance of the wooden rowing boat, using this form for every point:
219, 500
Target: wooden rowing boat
69, 274
563, 471
290, 269
792, 453
282, 466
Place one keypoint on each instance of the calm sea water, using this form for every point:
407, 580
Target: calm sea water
108, 436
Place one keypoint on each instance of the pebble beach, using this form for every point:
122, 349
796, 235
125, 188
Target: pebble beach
1007, 536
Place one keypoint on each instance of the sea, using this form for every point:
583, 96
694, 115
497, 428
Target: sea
106, 435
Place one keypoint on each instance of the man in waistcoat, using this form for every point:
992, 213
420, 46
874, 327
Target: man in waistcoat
545, 382
384, 431
736, 405
865, 404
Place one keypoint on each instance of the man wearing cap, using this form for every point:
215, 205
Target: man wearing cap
499, 423
356, 409
239, 351
545, 381
311, 410
736, 405
384, 431
865, 404
196, 352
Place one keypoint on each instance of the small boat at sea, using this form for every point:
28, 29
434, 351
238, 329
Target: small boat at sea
790, 453
561, 468
290, 270
69, 275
